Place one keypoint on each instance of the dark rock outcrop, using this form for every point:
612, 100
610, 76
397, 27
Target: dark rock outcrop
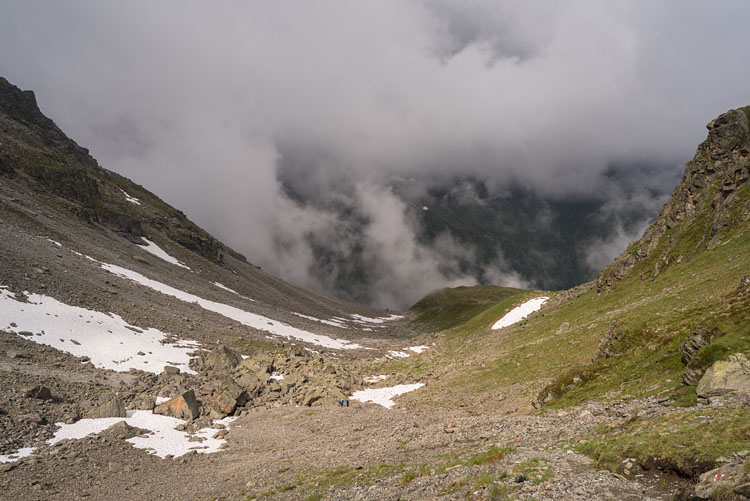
707, 191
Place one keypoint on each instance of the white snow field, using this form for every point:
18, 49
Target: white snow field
130, 199
404, 354
244, 317
520, 312
222, 286
163, 440
162, 254
19, 454
334, 321
418, 349
396, 354
108, 341
360, 319
383, 396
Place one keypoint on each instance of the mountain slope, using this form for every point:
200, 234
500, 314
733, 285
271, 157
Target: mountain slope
47, 178
645, 331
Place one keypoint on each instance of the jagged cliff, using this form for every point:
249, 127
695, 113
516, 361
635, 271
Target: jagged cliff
703, 205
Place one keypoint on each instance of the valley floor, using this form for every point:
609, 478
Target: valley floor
327, 452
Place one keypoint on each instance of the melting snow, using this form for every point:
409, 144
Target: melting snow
375, 379
334, 321
276, 376
162, 441
383, 396
360, 319
404, 354
109, 341
244, 317
520, 312
161, 400
221, 286
160, 253
418, 349
397, 354
19, 454
54, 242
130, 199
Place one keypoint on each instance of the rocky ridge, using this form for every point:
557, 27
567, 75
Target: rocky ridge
708, 190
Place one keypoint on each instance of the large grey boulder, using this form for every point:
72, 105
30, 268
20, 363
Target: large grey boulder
226, 397
112, 408
729, 477
726, 376
221, 360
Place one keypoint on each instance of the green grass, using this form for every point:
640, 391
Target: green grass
537, 470
491, 455
657, 313
447, 308
694, 435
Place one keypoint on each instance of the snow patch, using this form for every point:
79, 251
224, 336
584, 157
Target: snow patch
163, 440
244, 317
418, 349
520, 312
397, 354
54, 242
161, 400
424, 207
361, 319
334, 321
19, 454
157, 251
108, 341
276, 376
383, 396
375, 379
129, 198
221, 286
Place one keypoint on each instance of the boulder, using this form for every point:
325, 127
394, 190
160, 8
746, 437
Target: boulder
183, 407
123, 430
260, 367
113, 408
40, 392
250, 383
226, 397
726, 478
171, 371
143, 402
221, 360
726, 376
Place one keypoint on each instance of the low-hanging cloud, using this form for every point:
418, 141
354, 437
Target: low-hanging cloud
220, 107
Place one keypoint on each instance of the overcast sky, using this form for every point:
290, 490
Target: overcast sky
208, 103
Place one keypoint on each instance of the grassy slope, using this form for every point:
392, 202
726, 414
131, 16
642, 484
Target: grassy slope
475, 366
448, 308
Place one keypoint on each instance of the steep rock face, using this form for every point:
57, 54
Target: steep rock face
35, 153
701, 206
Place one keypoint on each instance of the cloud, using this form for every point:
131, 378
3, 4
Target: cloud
215, 106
